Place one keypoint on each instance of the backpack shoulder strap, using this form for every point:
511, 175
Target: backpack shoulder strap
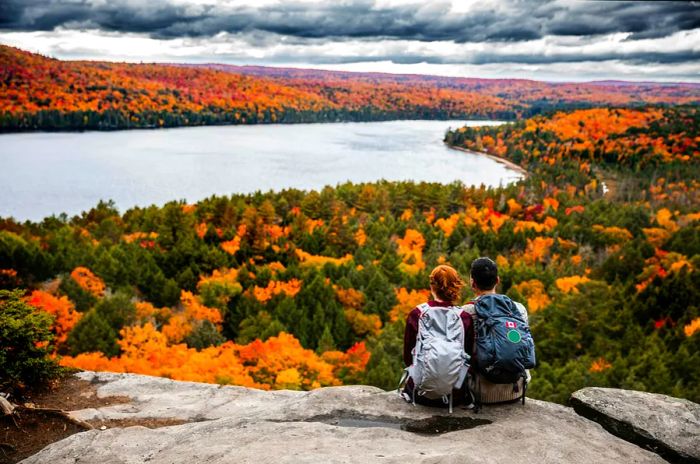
423, 308
459, 310
470, 308
522, 310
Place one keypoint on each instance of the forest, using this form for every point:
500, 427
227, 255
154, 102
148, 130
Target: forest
40, 93
301, 289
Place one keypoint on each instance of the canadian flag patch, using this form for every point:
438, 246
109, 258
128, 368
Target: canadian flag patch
511, 325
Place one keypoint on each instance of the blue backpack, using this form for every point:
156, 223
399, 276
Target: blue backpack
504, 344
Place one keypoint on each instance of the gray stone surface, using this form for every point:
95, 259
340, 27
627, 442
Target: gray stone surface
670, 426
239, 425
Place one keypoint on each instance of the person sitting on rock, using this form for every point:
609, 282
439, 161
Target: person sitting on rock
438, 341
512, 316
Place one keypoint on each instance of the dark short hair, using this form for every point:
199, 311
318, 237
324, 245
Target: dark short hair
485, 273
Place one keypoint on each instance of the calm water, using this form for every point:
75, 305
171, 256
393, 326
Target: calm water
49, 173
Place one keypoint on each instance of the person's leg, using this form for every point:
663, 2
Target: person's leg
433, 403
463, 396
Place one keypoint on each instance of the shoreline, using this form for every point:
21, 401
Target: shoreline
39, 130
498, 159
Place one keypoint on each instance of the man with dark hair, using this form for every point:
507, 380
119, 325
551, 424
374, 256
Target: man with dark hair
484, 280
484, 274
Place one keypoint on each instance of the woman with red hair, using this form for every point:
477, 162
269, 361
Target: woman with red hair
446, 289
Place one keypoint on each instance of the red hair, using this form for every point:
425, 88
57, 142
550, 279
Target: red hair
446, 283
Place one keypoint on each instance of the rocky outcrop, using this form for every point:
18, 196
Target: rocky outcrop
341, 424
666, 425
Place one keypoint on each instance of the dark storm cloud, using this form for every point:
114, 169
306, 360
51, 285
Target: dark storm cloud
486, 58
513, 20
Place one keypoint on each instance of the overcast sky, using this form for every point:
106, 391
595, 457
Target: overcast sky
558, 40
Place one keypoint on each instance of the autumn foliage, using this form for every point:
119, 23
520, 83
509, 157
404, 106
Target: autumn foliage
277, 363
298, 290
61, 308
630, 137
38, 92
88, 281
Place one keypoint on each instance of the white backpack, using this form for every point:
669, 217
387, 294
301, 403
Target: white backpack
440, 363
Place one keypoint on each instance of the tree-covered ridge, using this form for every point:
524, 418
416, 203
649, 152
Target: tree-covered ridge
612, 137
298, 289
532, 93
42, 93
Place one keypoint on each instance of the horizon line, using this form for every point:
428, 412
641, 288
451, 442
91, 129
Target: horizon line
311, 67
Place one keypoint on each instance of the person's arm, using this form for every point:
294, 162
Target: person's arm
409, 336
522, 310
468, 323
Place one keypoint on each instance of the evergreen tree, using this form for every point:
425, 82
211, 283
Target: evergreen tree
326, 342
25, 343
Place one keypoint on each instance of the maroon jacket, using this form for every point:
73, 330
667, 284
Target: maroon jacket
409, 336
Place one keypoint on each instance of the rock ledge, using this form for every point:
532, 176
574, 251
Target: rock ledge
666, 425
352, 424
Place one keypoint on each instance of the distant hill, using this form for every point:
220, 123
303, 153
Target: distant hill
441, 81
40, 93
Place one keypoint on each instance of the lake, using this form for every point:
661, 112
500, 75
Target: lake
51, 173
